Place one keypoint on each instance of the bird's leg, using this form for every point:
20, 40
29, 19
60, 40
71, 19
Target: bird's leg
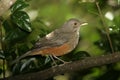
59, 59
53, 59
53, 56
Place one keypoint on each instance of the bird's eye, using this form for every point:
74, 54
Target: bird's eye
75, 23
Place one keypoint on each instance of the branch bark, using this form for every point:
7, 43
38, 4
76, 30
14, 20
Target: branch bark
79, 65
5, 5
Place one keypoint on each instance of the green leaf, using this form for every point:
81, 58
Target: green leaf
19, 5
117, 20
22, 20
26, 64
7, 26
2, 55
13, 32
15, 35
16, 68
80, 55
47, 60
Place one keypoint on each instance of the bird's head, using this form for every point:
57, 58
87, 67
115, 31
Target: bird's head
72, 25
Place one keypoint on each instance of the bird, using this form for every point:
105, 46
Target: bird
59, 42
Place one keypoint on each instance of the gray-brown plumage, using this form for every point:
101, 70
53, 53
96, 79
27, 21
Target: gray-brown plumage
59, 42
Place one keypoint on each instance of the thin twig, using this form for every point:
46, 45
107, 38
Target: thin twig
1, 42
5, 5
4, 69
106, 29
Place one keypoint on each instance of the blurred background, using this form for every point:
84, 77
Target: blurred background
102, 16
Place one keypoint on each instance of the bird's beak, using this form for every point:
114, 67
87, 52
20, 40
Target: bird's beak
83, 23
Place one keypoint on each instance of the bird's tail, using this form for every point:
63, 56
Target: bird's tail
21, 57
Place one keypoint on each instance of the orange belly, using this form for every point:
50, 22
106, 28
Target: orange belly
57, 51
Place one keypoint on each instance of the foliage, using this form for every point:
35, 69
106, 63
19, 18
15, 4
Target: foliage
20, 33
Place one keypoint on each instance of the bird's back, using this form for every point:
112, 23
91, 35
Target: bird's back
56, 43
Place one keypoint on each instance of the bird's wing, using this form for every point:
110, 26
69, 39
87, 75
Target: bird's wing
46, 43
53, 40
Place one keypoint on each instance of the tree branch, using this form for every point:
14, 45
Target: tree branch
5, 5
69, 67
